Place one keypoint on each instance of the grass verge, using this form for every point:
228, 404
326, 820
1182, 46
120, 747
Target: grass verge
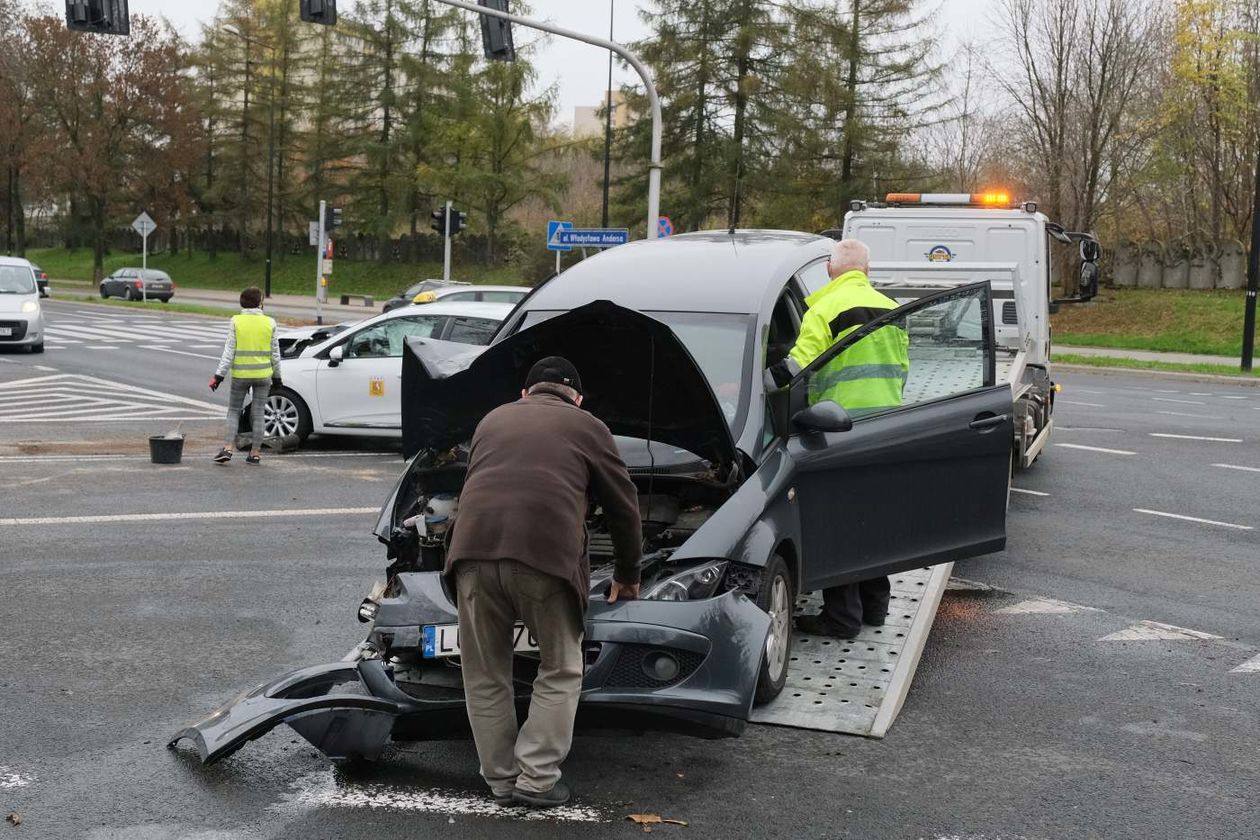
1139, 364
1207, 322
290, 274
186, 308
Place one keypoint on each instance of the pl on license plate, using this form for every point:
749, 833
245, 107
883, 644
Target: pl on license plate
442, 640
6, 330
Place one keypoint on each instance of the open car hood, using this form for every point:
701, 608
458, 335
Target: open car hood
638, 378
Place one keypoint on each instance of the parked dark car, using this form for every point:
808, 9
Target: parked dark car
41, 280
750, 493
127, 283
407, 295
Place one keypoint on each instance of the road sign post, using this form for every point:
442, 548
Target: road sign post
144, 225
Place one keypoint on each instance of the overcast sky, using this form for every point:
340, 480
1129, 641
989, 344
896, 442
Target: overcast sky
580, 71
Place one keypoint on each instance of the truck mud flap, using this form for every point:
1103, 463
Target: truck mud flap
346, 710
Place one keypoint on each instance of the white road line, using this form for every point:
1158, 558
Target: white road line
1028, 492
1165, 391
1196, 437
1086, 429
1192, 519
36, 459
11, 779
1095, 449
1044, 606
1148, 631
1077, 402
1200, 394
1183, 402
75, 380
1229, 397
179, 352
186, 517
1195, 416
1236, 467
1251, 666
99, 347
111, 418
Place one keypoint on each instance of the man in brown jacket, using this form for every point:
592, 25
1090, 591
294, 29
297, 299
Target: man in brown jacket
518, 553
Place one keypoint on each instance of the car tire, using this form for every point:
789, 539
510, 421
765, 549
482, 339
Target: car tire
776, 596
37, 348
293, 410
104, 294
130, 295
165, 300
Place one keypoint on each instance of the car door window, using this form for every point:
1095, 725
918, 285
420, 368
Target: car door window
385, 339
934, 348
502, 297
785, 326
814, 276
472, 330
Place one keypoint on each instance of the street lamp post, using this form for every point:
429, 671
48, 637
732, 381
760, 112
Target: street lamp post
654, 102
271, 149
608, 105
1253, 277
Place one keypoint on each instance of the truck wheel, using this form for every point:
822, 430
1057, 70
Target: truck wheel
777, 596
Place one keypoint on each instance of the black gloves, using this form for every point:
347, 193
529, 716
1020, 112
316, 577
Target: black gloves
215, 382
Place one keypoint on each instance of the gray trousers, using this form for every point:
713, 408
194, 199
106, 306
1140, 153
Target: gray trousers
493, 596
261, 388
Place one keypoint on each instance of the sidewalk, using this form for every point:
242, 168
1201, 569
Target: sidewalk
290, 306
1148, 355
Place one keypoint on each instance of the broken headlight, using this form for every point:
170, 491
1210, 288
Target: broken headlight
688, 584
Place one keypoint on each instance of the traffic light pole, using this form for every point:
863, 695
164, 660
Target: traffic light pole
1253, 278
654, 102
319, 264
446, 261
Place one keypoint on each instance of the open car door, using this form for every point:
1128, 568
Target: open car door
917, 483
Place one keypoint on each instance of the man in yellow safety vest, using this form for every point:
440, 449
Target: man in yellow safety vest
252, 354
867, 376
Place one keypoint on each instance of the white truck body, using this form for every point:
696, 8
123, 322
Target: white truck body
916, 250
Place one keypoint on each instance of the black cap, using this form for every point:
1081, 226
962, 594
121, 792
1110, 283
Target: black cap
556, 370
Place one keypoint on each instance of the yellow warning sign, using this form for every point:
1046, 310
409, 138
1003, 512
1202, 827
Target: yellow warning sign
376, 387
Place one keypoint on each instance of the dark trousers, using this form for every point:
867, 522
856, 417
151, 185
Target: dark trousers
846, 606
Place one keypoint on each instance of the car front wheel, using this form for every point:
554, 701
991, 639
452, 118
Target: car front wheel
777, 597
104, 294
284, 414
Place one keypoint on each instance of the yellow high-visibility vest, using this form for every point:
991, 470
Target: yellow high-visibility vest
252, 359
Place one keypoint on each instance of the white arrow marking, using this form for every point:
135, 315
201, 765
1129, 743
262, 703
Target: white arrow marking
1146, 631
1044, 606
1251, 666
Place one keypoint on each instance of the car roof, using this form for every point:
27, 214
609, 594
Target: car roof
470, 308
712, 271
477, 287
14, 261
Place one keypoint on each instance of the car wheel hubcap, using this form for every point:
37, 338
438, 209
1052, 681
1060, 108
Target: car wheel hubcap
780, 627
280, 416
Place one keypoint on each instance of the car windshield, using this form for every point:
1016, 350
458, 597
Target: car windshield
717, 341
16, 280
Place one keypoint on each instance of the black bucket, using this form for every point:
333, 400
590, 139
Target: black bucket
166, 450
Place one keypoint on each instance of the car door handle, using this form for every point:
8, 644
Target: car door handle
984, 422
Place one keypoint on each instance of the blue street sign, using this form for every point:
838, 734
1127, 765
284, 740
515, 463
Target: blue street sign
592, 237
664, 227
553, 228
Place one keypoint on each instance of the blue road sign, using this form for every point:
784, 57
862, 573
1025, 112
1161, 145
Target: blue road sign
592, 237
664, 227
553, 229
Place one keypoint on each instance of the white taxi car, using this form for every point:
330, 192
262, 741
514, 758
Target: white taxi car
349, 383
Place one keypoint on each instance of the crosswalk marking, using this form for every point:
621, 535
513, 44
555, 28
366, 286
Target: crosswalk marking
92, 331
71, 398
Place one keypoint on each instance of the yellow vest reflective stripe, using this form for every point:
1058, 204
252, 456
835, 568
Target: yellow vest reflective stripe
872, 372
252, 359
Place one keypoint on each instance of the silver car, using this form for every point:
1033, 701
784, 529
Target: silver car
21, 317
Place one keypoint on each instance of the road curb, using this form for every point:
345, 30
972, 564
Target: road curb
1184, 376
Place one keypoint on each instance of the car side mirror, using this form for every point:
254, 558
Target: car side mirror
823, 416
336, 355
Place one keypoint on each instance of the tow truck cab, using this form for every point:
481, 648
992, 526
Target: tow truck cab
926, 242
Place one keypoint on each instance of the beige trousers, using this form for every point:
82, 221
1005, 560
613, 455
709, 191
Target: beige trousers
493, 596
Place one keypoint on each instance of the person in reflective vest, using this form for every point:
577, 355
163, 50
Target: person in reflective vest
868, 376
252, 354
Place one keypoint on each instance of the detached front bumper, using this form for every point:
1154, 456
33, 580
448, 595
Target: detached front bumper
688, 667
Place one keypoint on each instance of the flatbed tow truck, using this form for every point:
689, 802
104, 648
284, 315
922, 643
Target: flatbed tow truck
923, 243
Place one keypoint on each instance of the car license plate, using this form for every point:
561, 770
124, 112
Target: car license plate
442, 640
6, 330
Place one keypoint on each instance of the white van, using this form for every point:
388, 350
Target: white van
21, 316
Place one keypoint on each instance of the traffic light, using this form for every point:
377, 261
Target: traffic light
438, 222
496, 33
319, 11
459, 221
104, 17
332, 220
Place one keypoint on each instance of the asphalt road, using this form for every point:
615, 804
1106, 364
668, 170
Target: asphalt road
1097, 688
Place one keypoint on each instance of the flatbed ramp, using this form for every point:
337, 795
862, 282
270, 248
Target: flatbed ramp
857, 687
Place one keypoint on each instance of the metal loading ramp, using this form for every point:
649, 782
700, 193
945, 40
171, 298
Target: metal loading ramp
857, 687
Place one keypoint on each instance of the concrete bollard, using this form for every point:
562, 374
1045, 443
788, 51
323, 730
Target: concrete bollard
1177, 265
1233, 265
1125, 265
1151, 267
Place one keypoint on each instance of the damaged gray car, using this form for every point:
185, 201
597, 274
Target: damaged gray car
749, 493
